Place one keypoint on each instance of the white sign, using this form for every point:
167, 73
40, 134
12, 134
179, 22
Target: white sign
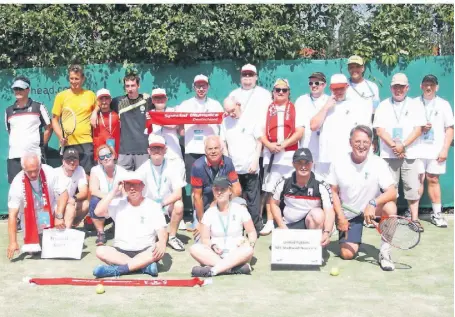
66, 243
297, 246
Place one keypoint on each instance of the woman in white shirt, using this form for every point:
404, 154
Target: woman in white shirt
223, 248
103, 177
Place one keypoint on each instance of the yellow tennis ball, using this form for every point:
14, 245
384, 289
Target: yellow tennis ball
100, 289
334, 271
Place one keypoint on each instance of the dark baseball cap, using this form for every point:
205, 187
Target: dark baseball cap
302, 154
70, 154
221, 181
430, 78
319, 76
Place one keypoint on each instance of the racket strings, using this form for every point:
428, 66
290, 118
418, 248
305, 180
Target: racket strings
400, 232
68, 120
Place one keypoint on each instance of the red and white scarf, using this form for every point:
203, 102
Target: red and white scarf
288, 126
31, 238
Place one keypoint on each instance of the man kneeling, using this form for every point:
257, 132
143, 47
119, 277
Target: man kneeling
308, 201
138, 222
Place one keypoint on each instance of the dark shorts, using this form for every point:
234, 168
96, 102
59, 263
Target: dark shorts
85, 155
13, 167
354, 232
190, 158
298, 224
131, 254
91, 208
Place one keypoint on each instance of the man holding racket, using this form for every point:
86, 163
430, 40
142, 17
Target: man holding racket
71, 117
363, 182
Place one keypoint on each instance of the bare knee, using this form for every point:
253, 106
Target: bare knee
315, 219
348, 251
178, 208
101, 252
196, 249
432, 179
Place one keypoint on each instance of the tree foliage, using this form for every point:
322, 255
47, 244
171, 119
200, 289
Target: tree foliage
52, 35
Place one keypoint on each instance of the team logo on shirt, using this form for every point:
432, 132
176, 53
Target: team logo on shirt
310, 191
347, 112
366, 175
142, 108
233, 217
436, 113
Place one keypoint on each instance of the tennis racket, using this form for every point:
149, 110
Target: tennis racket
398, 231
68, 124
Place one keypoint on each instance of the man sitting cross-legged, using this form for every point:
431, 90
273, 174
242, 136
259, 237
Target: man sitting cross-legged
138, 223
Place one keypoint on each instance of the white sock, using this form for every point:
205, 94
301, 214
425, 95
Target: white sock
436, 208
170, 237
214, 272
385, 246
270, 221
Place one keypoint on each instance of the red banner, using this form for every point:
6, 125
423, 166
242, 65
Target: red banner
178, 118
116, 282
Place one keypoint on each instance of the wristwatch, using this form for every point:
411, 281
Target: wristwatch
59, 216
372, 203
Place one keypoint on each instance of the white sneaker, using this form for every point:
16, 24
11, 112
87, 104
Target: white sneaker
182, 225
267, 228
366, 225
385, 261
438, 220
176, 244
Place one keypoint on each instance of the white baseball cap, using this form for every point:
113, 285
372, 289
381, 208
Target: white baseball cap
282, 82
201, 78
133, 177
338, 81
249, 68
158, 92
156, 140
103, 92
20, 84
399, 79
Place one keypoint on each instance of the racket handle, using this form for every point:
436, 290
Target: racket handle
62, 148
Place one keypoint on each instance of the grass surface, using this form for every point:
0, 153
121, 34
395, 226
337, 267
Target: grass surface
422, 285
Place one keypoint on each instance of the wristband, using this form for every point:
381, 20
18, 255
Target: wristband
213, 247
329, 232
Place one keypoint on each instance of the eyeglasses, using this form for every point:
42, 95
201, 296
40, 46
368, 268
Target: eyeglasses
315, 83
18, 89
107, 156
248, 74
285, 90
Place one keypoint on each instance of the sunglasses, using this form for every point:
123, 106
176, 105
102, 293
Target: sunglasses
103, 157
18, 89
285, 90
315, 83
248, 74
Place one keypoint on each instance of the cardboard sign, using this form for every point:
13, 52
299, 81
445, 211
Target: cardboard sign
66, 243
297, 246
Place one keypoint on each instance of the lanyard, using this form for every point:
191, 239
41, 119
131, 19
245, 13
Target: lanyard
362, 95
38, 195
249, 97
110, 122
158, 184
402, 109
111, 184
427, 107
225, 226
313, 100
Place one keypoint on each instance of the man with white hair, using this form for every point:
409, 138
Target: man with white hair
33, 196
204, 171
195, 134
140, 230
335, 121
243, 145
164, 183
399, 122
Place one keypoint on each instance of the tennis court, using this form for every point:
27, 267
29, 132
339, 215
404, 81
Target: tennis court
421, 285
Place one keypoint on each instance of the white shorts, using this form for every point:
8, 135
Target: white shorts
321, 171
276, 172
432, 166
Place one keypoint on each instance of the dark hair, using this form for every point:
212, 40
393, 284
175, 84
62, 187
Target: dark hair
76, 68
362, 128
23, 78
131, 77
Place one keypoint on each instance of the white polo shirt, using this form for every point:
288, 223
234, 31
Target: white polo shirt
195, 134
98, 172
136, 228
161, 181
309, 107
366, 92
241, 136
16, 195
359, 183
170, 136
337, 126
254, 102
399, 119
72, 183
232, 222
439, 113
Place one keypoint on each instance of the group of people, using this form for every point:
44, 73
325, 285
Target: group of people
300, 162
